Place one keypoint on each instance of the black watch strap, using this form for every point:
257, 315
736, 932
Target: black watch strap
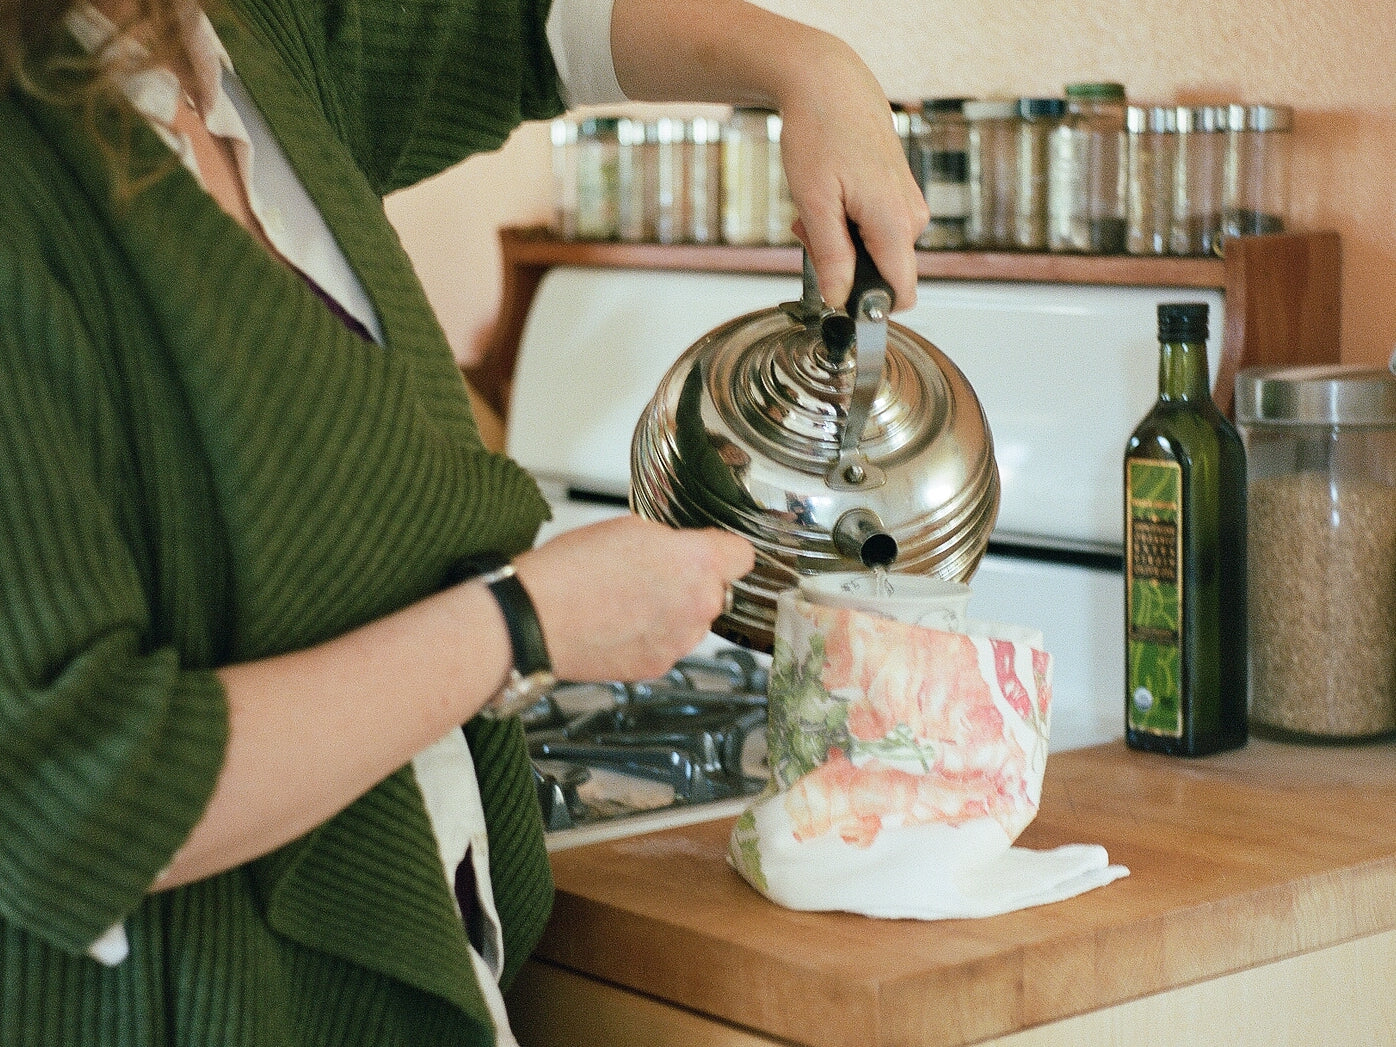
520, 617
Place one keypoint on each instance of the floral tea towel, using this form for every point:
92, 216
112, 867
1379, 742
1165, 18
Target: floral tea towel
905, 761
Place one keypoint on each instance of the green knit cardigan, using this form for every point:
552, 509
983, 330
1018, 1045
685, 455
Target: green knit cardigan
200, 465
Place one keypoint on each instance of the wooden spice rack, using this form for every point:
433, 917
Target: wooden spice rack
1282, 292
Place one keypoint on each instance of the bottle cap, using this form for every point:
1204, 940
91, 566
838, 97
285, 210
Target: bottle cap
1193, 118
564, 131
1182, 322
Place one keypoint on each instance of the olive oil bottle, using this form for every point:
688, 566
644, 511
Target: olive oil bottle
1185, 557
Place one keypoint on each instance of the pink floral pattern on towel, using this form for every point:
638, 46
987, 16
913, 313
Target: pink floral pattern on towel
878, 724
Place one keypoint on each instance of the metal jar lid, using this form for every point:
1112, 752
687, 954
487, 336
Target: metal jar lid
1036, 108
1320, 394
1155, 119
1277, 118
1107, 91
990, 109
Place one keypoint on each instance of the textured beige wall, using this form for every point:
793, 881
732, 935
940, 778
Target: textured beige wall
1334, 62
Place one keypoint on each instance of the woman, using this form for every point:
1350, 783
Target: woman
240, 490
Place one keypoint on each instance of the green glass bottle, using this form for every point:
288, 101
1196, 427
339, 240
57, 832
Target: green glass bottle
1185, 557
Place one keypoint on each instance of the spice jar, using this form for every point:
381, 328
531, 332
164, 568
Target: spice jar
1151, 135
780, 211
1197, 180
989, 143
756, 206
1086, 202
564, 138
940, 147
704, 181
1256, 187
1321, 549
634, 173
745, 168
666, 179
598, 178
1038, 118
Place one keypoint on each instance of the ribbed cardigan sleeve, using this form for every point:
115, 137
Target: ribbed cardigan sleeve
414, 86
109, 747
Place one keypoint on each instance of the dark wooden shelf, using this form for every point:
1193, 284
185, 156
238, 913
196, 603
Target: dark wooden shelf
1282, 292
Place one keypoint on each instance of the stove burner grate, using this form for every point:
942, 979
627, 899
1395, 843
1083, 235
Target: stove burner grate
697, 735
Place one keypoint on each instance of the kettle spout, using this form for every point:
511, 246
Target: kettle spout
859, 535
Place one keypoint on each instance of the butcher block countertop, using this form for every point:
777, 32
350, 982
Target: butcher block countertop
1236, 861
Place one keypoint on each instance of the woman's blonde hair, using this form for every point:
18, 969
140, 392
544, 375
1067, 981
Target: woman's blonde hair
30, 29
32, 60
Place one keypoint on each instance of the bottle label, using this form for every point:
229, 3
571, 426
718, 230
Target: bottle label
1154, 596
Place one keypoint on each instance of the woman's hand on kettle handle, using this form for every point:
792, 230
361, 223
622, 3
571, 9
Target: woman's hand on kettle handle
845, 166
843, 159
626, 598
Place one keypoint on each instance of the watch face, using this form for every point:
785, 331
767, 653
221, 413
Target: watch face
520, 693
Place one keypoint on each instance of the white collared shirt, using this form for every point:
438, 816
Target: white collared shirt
578, 33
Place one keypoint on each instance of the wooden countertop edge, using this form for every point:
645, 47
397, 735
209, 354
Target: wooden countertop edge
1012, 972
1184, 947
1112, 964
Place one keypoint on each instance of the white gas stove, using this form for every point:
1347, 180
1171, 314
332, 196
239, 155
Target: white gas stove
1063, 372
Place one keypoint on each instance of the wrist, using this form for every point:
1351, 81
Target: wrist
530, 675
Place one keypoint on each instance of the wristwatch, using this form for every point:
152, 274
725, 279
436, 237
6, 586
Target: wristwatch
531, 676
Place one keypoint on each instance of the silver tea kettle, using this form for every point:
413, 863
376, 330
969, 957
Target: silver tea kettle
834, 440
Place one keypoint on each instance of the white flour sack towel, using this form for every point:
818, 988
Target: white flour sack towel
905, 762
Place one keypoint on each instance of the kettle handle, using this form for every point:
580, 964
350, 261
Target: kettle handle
868, 306
866, 276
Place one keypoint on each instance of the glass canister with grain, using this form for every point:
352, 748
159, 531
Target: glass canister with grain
1321, 549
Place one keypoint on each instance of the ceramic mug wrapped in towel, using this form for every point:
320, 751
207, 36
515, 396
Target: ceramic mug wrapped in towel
905, 761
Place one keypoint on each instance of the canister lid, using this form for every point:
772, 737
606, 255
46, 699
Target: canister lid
1320, 394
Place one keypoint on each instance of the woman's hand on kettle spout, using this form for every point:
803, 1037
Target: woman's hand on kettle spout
627, 598
843, 159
